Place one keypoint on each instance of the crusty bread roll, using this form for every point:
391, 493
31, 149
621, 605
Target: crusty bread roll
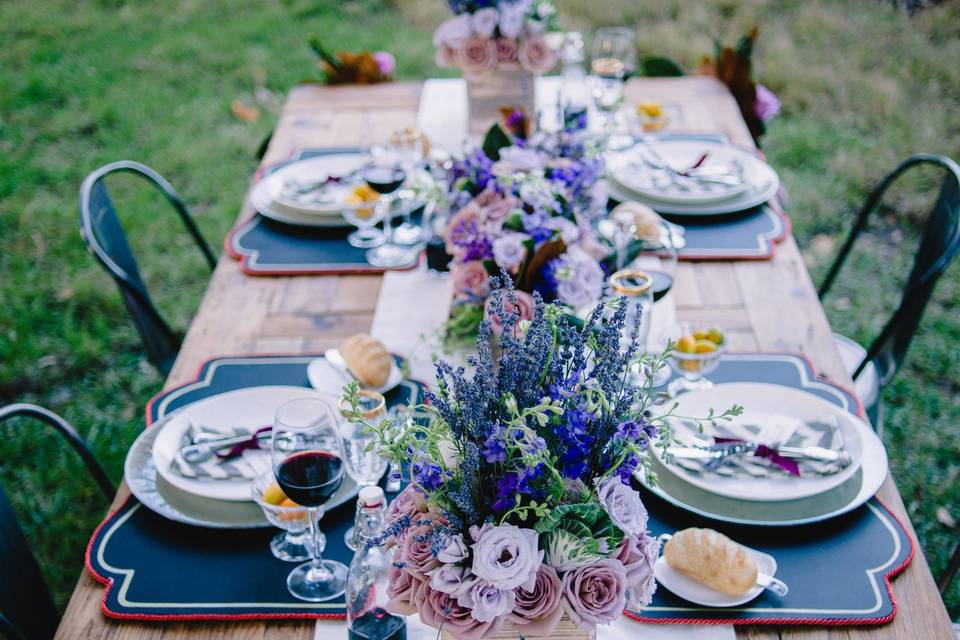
368, 359
712, 559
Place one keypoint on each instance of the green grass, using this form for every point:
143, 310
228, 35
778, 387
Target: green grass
85, 83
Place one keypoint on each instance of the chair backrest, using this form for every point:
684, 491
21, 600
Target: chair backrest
104, 235
939, 245
26, 607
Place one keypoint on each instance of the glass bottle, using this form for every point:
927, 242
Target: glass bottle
574, 90
362, 462
369, 577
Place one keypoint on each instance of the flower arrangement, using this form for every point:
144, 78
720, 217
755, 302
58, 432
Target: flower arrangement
520, 509
345, 67
526, 206
484, 34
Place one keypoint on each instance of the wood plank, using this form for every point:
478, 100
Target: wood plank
765, 306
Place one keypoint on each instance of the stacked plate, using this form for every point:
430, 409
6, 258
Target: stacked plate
751, 490
208, 502
311, 192
691, 177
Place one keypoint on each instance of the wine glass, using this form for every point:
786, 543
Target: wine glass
307, 457
386, 177
408, 144
614, 56
364, 216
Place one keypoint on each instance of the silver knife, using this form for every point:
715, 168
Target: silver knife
821, 454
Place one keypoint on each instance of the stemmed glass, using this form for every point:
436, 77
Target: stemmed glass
386, 177
307, 457
408, 145
614, 56
364, 217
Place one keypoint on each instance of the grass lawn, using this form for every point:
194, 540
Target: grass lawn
84, 83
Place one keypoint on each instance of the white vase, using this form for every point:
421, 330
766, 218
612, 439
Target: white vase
507, 86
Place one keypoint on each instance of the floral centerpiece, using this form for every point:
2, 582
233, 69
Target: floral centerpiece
526, 206
520, 510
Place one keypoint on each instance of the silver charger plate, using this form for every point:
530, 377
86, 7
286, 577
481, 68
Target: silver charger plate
162, 498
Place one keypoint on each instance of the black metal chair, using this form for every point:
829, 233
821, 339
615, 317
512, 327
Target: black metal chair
873, 368
26, 606
105, 238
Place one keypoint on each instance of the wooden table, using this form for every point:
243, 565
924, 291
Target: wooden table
765, 305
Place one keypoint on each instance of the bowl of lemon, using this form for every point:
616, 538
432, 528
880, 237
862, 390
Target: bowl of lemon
696, 354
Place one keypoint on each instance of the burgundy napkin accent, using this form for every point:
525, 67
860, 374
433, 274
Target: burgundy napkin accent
770, 453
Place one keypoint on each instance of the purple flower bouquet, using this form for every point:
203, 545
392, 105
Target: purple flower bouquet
520, 516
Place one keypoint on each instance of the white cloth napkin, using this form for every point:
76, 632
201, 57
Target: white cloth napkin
621, 629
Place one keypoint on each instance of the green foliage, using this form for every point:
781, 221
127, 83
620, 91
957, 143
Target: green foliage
660, 67
576, 534
494, 140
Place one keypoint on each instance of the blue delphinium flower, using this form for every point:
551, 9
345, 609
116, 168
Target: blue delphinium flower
494, 447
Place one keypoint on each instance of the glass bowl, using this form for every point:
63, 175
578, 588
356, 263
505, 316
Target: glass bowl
291, 544
695, 355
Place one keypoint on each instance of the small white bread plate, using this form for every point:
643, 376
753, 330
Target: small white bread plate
690, 589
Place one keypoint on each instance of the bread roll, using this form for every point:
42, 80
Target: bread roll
712, 559
367, 359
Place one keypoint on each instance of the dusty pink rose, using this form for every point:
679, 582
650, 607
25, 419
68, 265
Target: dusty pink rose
402, 592
507, 50
470, 278
477, 56
415, 551
638, 555
446, 56
595, 593
409, 502
519, 303
536, 56
539, 609
436, 608
496, 206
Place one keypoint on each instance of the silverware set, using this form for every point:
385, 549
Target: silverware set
715, 454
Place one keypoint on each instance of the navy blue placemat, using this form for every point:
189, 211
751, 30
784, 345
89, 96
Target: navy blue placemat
838, 571
267, 247
159, 569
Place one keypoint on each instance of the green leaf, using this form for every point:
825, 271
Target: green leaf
494, 140
660, 67
564, 551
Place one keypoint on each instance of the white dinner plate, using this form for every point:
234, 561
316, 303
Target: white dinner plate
630, 170
692, 591
155, 493
252, 407
764, 186
311, 171
766, 405
324, 377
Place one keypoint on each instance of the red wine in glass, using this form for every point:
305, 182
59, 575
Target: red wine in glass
378, 624
310, 478
384, 180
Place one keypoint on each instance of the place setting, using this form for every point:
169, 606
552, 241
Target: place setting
337, 210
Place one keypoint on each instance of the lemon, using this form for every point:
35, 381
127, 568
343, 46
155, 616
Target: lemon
274, 494
295, 516
715, 336
650, 109
704, 346
687, 344
701, 334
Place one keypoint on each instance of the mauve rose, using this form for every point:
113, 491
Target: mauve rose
449, 578
538, 609
409, 502
401, 591
446, 56
415, 548
536, 56
486, 602
471, 278
522, 305
506, 556
477, 56
453, 32
595, 593
437, 608
510, 250
495, 206
455, 551
623, 505
638, 555
512, 18
507, 50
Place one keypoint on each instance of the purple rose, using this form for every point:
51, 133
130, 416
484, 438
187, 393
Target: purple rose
767, 104
402, 591
485, 601
510, 250
455, 551
595, 593
437, 608
512, 18
538, 609
415, 548
623, 505
385, 62
638, 555
449, 578
506, 556
484, 22
452, 32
